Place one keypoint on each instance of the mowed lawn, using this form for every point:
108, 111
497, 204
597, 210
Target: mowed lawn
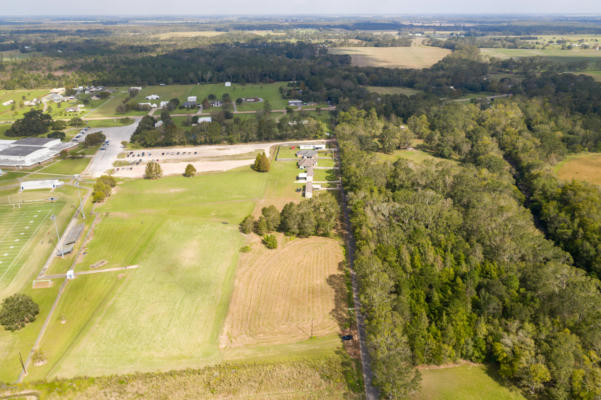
582, 167
68, 166
393, 57
168, 313
465, 382
18, 96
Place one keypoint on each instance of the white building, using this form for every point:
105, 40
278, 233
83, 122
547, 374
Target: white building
30, 151
158, 124
192, 99
163, 104
8, 103
204, 119
45, 184
228, 84
312, 146
153, 97
295, 103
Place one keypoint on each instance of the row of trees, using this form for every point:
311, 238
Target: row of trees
451, 265
315, 216
234, 130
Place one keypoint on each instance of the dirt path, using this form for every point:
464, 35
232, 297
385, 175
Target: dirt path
371, 392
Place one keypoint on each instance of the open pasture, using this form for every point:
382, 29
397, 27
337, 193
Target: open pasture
285, 295
554, 54
463, 382
167, 314
393, 90
393, 57
581, 167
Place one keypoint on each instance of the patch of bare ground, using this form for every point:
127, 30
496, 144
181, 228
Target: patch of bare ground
287, 294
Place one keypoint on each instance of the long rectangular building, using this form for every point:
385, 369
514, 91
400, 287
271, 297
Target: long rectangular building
30, 151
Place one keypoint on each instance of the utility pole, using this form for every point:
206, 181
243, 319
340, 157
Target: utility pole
58, 238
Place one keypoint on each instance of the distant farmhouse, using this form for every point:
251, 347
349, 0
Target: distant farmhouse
8, 103
190, 102
153, 97
295, 103
30, 151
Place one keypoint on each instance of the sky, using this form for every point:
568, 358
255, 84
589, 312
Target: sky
291, 7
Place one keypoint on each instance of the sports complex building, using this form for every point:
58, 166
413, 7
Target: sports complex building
30, 151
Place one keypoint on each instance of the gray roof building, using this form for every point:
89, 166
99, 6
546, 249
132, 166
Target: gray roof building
34, 141
20, 151
306, 153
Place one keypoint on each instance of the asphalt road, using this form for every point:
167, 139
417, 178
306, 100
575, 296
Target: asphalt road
103, 159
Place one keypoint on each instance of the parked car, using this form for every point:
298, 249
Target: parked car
347, 337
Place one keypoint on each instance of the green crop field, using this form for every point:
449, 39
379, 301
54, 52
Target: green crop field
464, 382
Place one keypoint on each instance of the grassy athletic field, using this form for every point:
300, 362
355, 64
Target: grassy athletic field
34, 254
68, 166
465, 382
582, 166
18, 226
393, 57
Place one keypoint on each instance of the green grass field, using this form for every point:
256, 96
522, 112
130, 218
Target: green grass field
6, 112
417, 156
17, 228
68, 166
464, 382
595, 74
33, 254
267, 91
183, 234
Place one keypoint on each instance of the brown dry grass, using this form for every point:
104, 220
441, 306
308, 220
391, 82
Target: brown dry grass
581, 167
281, 295
393, 57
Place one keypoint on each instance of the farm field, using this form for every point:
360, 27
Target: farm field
556, 54
582, 167
465, 382
393, 90
285, 295
393, 57
417, 156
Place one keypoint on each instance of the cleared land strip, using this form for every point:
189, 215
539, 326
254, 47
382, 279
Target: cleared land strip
89, 272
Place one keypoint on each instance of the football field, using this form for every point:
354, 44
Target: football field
17, 228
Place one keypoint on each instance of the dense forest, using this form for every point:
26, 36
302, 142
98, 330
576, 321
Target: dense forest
452, 265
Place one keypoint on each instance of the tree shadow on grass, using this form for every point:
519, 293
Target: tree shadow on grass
340, 310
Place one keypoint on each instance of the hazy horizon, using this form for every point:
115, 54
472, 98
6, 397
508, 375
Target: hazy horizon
154, 8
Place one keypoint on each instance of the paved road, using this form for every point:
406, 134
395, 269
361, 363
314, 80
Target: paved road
103, 159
